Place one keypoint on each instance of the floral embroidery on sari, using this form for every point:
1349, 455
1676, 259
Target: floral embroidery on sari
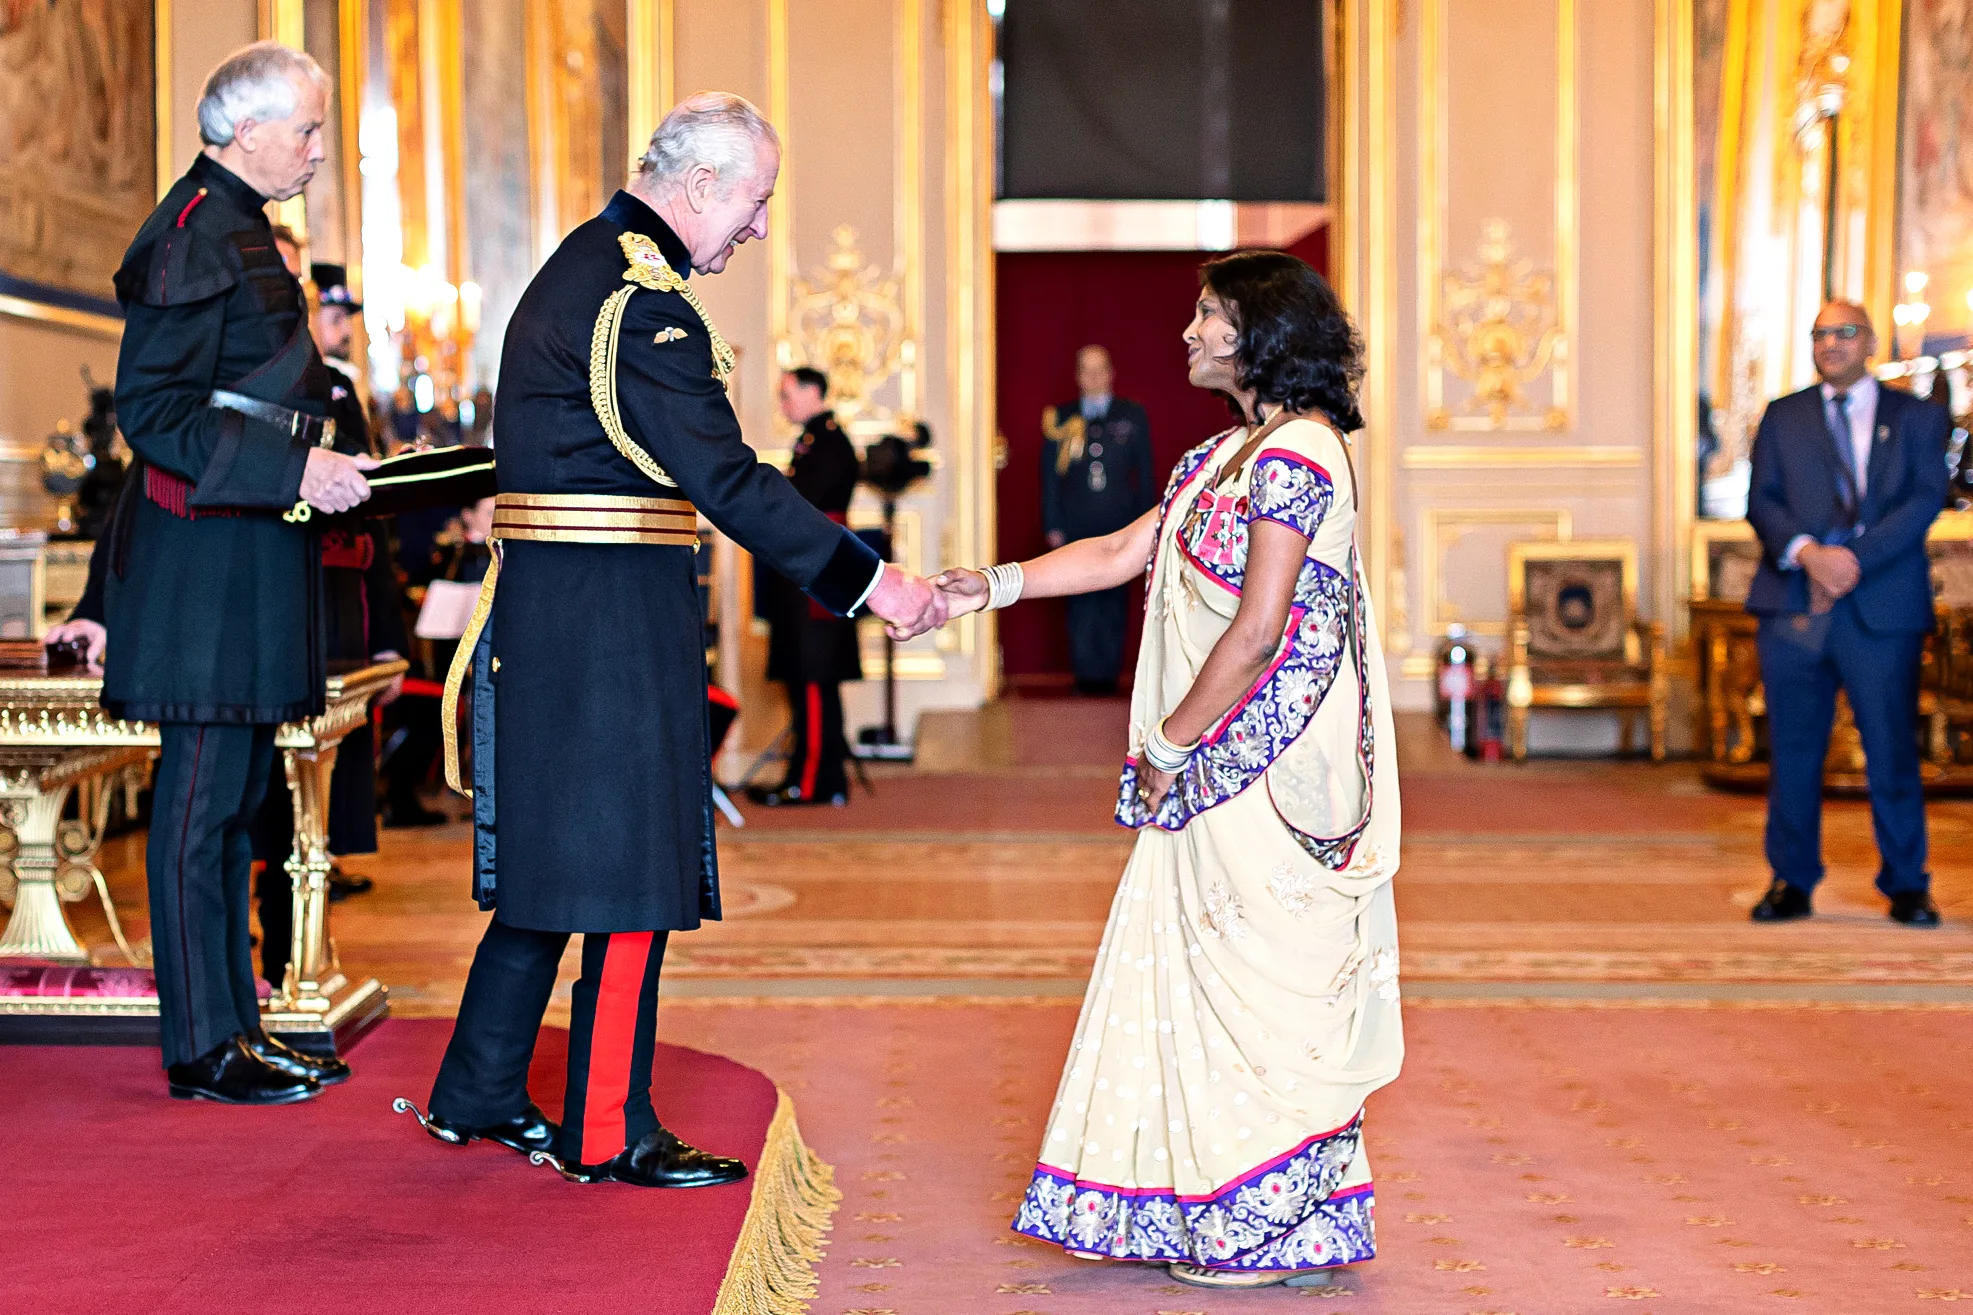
1286, 1214
1213, 537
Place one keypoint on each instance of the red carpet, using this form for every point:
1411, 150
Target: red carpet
119, 1199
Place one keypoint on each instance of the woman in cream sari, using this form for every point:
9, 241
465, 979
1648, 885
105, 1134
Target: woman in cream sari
1244, 1001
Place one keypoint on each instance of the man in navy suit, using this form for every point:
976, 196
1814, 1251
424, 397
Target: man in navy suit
1847, 479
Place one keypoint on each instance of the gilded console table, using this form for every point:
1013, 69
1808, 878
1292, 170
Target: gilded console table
1733, 709
55, 737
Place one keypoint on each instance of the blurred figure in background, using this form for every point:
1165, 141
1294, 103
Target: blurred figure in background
1097, 476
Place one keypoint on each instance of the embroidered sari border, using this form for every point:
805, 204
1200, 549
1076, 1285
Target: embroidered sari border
1232, 1184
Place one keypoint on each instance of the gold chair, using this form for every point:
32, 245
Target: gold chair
1575, 640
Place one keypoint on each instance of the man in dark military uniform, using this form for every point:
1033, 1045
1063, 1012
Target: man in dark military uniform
810, 649
590, 752
211, 594
1097, 476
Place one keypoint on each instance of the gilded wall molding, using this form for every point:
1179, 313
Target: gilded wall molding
969, 306
163, 93
1478, 456
1675, 317
1366, 258
1510, 322
1439, 531
651, 59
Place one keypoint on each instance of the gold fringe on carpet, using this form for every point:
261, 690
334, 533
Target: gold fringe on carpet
772, 1271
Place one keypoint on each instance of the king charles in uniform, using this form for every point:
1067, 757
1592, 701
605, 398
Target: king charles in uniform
591, 773
209, 597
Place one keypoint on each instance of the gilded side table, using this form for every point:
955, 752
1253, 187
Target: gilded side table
55, 737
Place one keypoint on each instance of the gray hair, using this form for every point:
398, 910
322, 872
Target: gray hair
253, 83
712, 128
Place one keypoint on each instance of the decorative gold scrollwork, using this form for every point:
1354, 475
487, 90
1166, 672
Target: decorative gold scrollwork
1500, 329
847, 321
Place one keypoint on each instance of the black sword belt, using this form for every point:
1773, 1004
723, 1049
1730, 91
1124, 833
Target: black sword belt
320, 432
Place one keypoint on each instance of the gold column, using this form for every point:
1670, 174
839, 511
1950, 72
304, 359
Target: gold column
544, 137
407, 97
353, 38
443, 35
908, 193
781, 206
1675, 314
650, 27
969, 303
161, 44
1367, 261
282, 21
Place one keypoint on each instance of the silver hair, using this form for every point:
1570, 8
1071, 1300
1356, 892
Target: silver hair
713, 128
253, 83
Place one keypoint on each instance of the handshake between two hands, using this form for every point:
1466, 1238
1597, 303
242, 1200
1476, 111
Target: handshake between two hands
910, 605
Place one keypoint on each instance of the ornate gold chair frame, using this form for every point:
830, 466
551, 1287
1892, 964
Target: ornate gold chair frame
1636, 683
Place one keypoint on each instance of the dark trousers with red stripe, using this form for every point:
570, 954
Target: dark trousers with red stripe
613, 1026
199, 863
818, 764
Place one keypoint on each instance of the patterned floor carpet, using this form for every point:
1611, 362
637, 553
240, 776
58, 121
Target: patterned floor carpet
1530, 1161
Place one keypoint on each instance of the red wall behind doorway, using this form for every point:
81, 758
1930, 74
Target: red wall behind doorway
1136, 303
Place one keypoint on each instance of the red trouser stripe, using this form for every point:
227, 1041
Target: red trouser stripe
611, 1038
812, 763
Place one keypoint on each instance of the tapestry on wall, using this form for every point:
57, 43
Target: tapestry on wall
78, 145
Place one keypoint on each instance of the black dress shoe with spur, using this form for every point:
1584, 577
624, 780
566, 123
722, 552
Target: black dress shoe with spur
660, 1159
530, 1132
1914, 909
232, 1074
1783, 903
327, 1070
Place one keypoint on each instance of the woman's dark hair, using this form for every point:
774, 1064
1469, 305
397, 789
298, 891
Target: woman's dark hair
1296, 346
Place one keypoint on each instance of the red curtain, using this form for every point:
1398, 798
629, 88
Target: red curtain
1136, 303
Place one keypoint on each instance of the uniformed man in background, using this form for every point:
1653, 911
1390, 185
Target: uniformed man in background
211, 586
362, 618
591, 767
810, 649
1097, 476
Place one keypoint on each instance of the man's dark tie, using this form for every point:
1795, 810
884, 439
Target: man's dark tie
1838, 420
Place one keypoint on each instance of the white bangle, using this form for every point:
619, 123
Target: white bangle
1162, 754
1004, 585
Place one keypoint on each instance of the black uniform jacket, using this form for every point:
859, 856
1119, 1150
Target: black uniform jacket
211, 600
600, 789
808, 642
1109, 483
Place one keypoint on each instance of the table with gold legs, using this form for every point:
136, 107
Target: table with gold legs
56, 739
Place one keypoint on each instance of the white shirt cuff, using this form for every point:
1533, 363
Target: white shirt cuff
869, 589
1791, 554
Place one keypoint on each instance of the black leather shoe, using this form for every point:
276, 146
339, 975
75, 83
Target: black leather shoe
527, 1132
232, 1074
344, 884
1783, 903
1914, 909
326, 1070
659, 1159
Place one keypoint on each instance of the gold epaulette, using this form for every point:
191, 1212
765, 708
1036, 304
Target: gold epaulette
648, 269
1067, 435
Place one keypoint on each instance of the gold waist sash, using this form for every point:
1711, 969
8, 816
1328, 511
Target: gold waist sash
555, 518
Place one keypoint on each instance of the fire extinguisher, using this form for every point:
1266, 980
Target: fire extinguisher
1489, 713
1455, 684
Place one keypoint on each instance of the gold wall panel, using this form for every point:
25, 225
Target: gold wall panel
1493, 316
1440, 532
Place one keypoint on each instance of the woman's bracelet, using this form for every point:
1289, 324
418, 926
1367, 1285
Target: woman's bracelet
1162, 754
1004, 585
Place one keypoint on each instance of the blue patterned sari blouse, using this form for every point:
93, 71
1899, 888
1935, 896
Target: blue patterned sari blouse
1210, 519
